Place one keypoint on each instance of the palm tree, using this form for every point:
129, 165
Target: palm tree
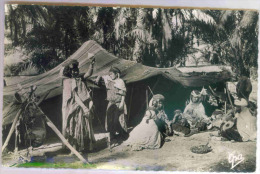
239, 46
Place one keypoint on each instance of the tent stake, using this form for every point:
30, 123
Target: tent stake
11, 130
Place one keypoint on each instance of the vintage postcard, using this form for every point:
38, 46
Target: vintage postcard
129, 88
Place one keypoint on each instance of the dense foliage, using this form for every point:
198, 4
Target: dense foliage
152, 36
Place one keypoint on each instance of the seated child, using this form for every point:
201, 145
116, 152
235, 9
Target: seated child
180, 124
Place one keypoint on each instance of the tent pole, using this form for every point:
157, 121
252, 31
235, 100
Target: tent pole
16, 141
230, 99
63, 139
11, 130
147, 102
225, 91
131, 98
53, 127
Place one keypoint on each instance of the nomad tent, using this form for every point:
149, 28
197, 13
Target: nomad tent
175, 84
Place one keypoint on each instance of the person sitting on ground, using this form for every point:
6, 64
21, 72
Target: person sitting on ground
246, 123
194, 112
162, 121
180, 124
146, 134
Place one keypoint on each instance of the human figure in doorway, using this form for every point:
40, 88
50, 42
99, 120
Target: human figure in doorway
115, 123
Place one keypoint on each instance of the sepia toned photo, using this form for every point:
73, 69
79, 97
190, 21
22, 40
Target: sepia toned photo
126, 88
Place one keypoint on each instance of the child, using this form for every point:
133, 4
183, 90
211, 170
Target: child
116, 109
180, 124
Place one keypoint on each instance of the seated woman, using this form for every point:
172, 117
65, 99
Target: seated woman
146, 135
195, 112
246, 123
162, 121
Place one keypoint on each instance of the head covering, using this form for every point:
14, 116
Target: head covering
115, 70
151, 103
217, 112
74, 62
71, 64
158, 97
241, 102
195, 93
177, 111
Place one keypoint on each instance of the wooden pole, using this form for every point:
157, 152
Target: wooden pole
63, 139
12, 129
16, 140
230, 99
225, 90
130, 105
53, 127
147, 102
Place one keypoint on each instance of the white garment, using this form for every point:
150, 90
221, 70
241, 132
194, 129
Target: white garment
246, 125
145, 135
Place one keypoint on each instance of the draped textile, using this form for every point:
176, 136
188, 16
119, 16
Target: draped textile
145, 135
77, 125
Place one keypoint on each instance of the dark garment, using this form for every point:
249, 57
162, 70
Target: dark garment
182, 126
244, 87
162, 126
231, 133
202, 126
115, 119
162, 123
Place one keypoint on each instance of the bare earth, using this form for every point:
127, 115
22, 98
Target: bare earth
175, 155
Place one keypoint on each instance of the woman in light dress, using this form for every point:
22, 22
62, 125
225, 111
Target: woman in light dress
194, 112
246, 123
146, 135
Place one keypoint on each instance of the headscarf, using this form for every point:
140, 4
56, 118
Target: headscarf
195, 93
241, 102
159, 97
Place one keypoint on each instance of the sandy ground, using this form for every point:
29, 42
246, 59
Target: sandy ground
175, 155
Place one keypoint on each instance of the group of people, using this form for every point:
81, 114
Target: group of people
150, 133
77, 106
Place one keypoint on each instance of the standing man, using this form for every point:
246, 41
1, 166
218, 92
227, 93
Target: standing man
116, 109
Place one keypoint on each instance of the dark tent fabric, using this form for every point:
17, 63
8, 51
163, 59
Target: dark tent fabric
132, 72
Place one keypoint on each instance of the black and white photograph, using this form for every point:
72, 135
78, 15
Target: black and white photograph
129, 88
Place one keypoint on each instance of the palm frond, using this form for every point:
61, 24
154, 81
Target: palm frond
224, 16
248, 19
203, 17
